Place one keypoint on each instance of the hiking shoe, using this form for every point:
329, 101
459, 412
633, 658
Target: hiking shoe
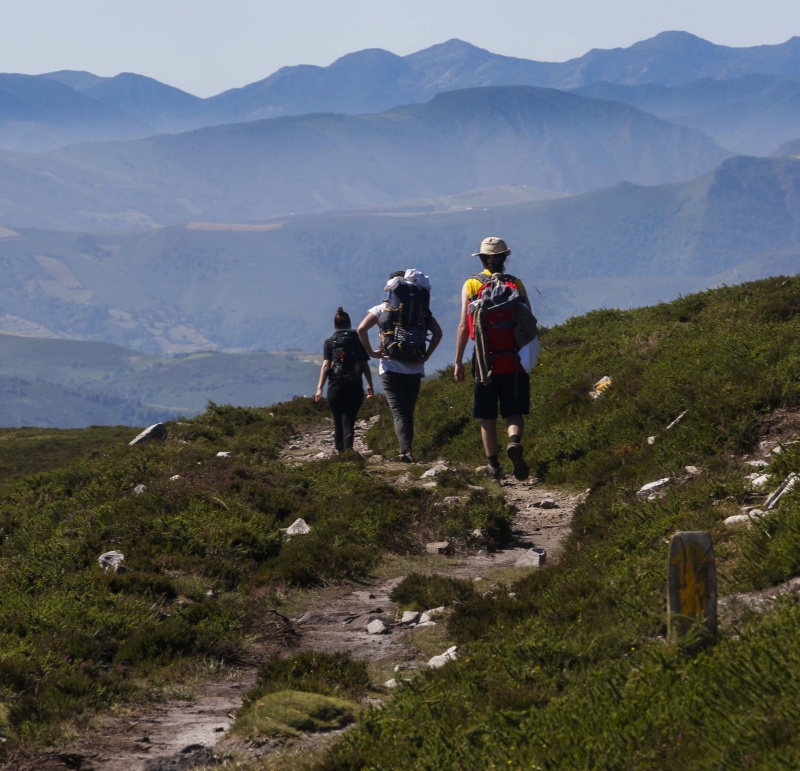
516, 456
490, 471
404, 457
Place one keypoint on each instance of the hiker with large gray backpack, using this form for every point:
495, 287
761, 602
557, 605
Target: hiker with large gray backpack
344, 363
409, 335
496, 315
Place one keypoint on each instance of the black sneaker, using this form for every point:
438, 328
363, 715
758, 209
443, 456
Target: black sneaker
490, 471
404, 457
516, 456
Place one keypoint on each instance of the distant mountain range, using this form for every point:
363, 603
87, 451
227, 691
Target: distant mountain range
458, 141
207, 286
130, 106
752, 114
212, 229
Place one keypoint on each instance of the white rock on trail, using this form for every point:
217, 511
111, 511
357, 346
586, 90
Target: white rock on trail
156, 432
651, 486
744, 519
533, 558
758, 480
298, 527
437, 547
139, 489
224, 454
786, 486
451, 654
111, 560
377, 627
410, 617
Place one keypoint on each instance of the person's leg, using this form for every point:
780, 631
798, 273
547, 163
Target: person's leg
516, 424
337, 403
484, 407
514, 395
412, 387
489, 437
355, 398
401, 393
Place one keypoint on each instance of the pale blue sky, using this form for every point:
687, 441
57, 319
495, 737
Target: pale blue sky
207, 46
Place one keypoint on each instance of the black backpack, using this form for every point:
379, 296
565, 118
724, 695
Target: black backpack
345, 359
403, 322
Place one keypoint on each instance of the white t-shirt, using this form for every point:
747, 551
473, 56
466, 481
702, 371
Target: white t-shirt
392, 365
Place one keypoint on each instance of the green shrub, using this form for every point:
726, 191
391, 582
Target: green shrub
422, 592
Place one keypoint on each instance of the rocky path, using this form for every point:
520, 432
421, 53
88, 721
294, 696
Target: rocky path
181, 734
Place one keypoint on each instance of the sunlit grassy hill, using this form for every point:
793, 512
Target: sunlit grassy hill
571, 669
566, 669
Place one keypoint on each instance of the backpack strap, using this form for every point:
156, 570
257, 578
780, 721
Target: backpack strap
482, 278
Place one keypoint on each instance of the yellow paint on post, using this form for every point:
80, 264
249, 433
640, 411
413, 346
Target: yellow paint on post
692, 584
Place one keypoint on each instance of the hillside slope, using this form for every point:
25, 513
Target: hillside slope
579, 650
574, 650
751, 115
183, 289
539, 137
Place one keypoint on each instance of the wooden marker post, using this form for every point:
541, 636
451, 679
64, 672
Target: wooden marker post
692, 585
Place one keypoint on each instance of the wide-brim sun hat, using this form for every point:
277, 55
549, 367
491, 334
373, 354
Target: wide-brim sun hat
492, 246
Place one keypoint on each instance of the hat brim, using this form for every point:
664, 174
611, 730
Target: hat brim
493, 254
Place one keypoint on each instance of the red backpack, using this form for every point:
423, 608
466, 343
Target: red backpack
503, 318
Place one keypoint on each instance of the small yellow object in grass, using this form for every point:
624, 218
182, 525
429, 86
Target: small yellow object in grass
601, 385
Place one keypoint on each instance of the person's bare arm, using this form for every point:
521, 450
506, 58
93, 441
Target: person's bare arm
436, 337
367, 372
462, 336
323, 374
368, 322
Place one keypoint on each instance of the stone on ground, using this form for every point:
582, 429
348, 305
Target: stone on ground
437, 547
156, 432
298, 527
533, 558
451, 654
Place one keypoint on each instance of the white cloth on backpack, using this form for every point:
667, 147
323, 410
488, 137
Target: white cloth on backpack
412, 276
418, 278
529, 354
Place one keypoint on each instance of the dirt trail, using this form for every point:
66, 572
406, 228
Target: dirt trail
178, 734
336, 620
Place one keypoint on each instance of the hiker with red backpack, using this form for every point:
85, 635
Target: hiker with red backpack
344, 363
404, 321
496, 315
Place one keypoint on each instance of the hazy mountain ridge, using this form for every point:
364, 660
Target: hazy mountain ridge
190, 288
543, 138
37, 114
753, 114
375, 80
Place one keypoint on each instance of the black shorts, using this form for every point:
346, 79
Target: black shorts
511, 390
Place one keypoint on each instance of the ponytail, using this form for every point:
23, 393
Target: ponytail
342, 319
